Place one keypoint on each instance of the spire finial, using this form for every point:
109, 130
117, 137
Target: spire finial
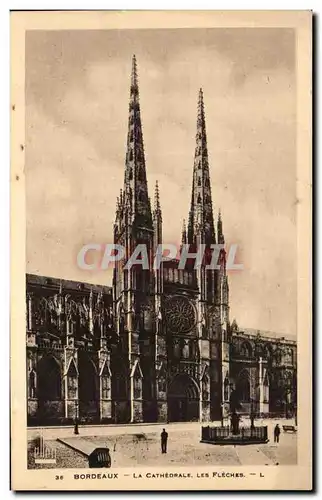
134, 74
201, 109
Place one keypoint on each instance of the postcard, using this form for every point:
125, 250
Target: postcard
161, 191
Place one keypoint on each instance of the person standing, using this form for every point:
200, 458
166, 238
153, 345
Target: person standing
277, 432
252, 419
164, 441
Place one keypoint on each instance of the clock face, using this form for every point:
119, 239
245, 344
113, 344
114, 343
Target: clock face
180, 314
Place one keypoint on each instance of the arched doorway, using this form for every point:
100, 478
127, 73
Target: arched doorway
49, 390
88, 393
183, 399
49, 379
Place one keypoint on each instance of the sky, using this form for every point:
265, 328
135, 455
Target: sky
77, 95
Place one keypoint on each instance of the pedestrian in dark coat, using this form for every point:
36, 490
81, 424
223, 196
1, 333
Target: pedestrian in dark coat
164, 441
252, 418
277, 432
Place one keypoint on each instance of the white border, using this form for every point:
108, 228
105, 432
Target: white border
5, 6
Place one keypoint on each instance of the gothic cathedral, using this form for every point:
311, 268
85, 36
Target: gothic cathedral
158, 346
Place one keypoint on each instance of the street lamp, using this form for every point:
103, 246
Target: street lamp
76, 418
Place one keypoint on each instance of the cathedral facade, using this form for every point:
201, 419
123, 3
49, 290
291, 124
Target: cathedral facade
158, 345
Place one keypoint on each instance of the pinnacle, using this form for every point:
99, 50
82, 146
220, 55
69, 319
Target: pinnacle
201, 213
134, 75
157, 206
201, 106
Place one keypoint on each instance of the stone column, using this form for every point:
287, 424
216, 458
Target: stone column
205, 395
161, 392
105, 381
261, 385
136, 387
71, 380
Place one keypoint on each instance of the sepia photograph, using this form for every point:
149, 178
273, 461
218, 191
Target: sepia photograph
160, 333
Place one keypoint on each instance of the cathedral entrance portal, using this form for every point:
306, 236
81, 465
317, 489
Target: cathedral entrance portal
183, 399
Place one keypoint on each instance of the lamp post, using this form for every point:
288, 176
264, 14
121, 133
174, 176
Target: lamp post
252, 415
76, 418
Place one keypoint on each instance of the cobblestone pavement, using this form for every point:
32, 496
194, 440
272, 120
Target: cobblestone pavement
139, 445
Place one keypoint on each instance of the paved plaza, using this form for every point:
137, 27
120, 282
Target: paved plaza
139, 445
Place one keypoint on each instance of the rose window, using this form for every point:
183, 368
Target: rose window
180, 315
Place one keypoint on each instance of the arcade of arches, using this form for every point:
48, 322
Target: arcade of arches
89, 377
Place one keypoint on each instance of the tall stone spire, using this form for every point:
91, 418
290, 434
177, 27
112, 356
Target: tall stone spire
135, 195
201, 213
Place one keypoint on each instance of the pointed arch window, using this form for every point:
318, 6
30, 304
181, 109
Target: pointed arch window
106, 389
49, 379
199, 198
72, 381
32, 384
106, 383
130, 174
243, 387
246, 350
137, 386
185, 349
199, 181
131, 155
